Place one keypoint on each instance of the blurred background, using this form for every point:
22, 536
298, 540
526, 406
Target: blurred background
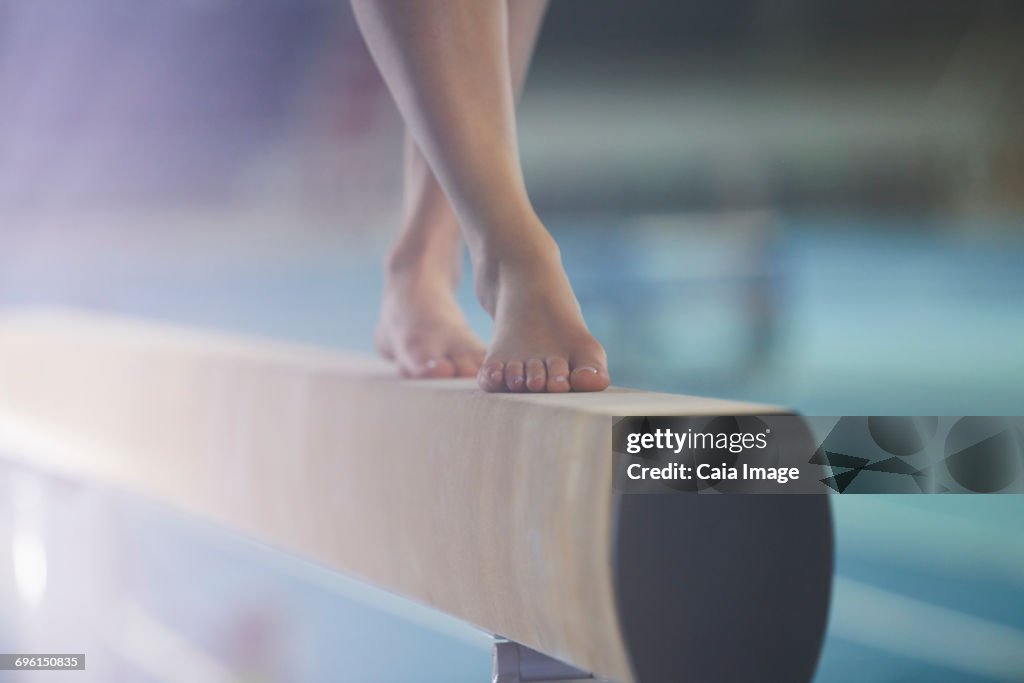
816, 204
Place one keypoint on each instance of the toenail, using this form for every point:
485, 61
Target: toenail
587, 368
496, 374
430, 364
560, 378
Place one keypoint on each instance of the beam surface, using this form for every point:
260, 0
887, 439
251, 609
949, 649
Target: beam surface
495, 508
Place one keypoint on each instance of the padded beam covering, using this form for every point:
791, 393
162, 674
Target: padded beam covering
495, 508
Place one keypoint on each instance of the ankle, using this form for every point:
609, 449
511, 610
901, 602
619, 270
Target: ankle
425, 261
528, 258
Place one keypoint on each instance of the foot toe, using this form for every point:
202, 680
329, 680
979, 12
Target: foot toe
558, 375
428, 367
515, 376
589, 376
466, 364
536, 375
492, 376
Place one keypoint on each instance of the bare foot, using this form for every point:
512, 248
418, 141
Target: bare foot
541, 342
422, 328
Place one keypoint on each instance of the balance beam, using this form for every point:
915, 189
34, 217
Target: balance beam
495, 508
